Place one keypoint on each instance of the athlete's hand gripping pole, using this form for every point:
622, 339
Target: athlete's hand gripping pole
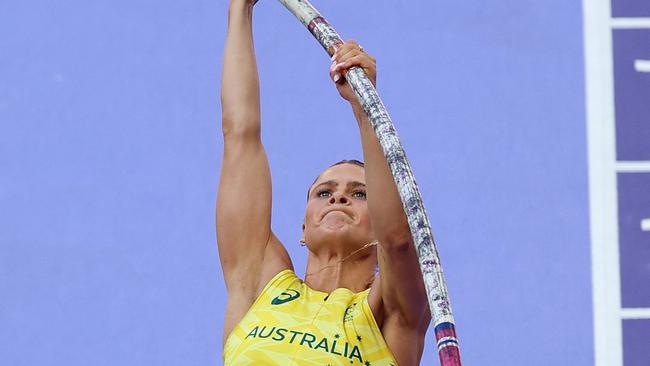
408, 190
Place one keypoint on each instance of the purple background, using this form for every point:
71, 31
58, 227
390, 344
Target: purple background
110, 147
632, 94
634, 244
636, 334
630, 8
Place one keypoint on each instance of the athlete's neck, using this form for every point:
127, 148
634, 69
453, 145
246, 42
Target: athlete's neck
354, 271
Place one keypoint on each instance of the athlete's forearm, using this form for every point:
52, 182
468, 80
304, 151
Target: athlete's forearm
240, 99
384, 205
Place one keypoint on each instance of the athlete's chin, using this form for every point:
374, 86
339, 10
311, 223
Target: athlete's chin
344, 234
336, 226
335, 219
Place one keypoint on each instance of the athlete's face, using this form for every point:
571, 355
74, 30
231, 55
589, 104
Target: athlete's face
336, 208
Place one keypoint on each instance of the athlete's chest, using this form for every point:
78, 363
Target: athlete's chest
337, 329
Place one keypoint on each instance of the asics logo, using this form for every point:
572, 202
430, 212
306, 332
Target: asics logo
286, 296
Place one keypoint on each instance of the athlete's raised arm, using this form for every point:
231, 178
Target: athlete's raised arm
249, 252
398, 298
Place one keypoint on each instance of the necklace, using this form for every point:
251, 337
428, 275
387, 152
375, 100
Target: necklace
372, 243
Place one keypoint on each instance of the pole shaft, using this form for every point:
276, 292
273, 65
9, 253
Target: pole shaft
425, 246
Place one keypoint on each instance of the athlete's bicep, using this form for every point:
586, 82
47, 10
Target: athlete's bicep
398, 300
243, 216
402, 291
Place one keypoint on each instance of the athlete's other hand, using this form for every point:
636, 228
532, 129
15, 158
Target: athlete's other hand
347, 55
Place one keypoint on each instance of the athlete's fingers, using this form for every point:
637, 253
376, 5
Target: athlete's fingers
358, 59
335, 75
344, 53
350, 54
344, 48
368, 65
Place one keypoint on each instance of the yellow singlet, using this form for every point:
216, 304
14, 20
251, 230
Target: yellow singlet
292, 324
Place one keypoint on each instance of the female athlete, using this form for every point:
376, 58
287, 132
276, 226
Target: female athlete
362, 300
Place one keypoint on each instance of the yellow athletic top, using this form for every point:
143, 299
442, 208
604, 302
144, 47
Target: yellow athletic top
292, 324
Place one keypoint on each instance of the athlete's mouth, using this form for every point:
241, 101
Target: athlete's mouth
347, 212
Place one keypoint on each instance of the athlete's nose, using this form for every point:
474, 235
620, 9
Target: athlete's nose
341, 199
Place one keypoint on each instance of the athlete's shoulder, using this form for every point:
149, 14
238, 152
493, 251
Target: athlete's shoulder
283, 280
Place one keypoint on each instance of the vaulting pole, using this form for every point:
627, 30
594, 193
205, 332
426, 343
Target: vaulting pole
425, 246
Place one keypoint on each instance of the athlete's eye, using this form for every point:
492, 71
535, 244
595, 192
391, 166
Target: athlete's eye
359, 194
324, 193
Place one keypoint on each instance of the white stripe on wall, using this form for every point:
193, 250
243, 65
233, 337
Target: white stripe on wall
645, 224
635, 313
626, 23
642, 65
633, 166
602, 182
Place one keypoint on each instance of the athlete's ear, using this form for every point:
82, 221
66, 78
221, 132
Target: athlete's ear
302, 237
